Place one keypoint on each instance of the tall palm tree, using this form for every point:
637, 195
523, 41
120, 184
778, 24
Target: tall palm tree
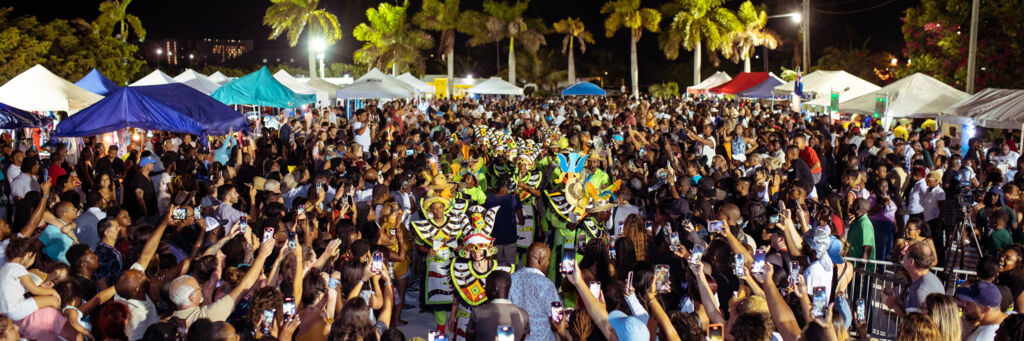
114, 14
293, 16
442, 16
629, 15
574, 30
751, 35
541, 68
502, 20
696, 23
389, 39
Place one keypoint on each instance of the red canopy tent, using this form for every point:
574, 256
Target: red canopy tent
742, 81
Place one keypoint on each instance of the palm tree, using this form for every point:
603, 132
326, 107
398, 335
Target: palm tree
293, 16
751, 35
502, 20
664, 90
574, 31
442, 16
540, 67
697, 22
389, 39
628, 14
114, 13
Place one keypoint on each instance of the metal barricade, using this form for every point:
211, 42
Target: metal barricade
872, 276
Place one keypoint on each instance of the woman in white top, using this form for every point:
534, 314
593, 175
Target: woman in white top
15, 281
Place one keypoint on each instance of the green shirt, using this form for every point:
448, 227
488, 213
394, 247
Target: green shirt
997, 240
861, 234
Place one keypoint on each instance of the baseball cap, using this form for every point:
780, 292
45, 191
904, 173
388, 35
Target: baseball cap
146, 161
981, 292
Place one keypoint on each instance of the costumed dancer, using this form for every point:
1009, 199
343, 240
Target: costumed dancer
476, 261
525, 183
438, 238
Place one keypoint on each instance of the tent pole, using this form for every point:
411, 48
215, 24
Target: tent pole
1021, 137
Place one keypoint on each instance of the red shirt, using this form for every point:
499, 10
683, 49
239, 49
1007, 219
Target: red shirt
811, 157
55, 172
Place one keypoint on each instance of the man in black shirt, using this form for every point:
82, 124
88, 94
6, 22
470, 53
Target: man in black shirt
140, 197
110, 164
798, 169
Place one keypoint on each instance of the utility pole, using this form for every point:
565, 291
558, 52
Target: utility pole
807, 34
972, 52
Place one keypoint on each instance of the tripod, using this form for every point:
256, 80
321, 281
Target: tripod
963, 230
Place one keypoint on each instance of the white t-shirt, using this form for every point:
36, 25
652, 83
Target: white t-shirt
362, 139
983, 333
707, 150
22, 185
12, 293
816, 275
12, 172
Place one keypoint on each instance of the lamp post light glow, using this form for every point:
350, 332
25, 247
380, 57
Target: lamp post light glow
317, 46
797, 18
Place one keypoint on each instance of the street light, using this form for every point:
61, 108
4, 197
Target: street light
797, 18
159, 53
317, 45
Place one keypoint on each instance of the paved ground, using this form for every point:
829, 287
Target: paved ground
419, 323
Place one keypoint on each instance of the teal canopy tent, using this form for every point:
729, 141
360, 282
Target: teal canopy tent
260, 88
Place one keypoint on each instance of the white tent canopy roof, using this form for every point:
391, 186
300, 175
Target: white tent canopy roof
38, 89
989, 108
197, 81
322, 97
714, 80
219, 78
853, 90
917, 95
323, 85
495, 86
375, 84
821, 83
156, 77
416, 83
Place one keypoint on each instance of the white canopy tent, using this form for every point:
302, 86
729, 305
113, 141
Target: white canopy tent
716, 79
219, 78
989, 108
38, 89
850, 91
495, 86
156, 77
298, 87
416, 83
323, 85
917, 95
822, 83
376, 84
197, 81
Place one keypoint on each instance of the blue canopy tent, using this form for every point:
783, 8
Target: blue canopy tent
260, 88
14, 118
97, 83
583, 89
127, 107
216, 118
763, 90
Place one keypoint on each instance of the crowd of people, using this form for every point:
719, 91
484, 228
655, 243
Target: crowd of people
517, 219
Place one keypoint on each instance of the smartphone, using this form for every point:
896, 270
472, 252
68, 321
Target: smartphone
301, 211
435, 336
333, 283
244, 223
268, 234
715, 332
674, 243
737, 266
267, 322
377, 264
595, 288
409, 152
196, 213
649, 225
794, 272
611, 251
773, 219
618, 230
568, 257
46, 175
861, 317
293, 241
629, 281
819, 301
505, 333
556, 311
662, 282
696, 254
716, 226
179, 214
288, 308
758, 267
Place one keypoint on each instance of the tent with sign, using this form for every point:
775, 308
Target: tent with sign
156, 77
495, 86
420, 86
260, 88
917, 95
845, 93
742, 81
197, 81
989, 108
716, 79
220, 78
97, 83
132, 107
38, 89
822, 83
375, 84
322, 98
583, 89
762, 90
14, 118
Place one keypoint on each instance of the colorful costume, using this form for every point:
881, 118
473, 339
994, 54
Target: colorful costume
468, 282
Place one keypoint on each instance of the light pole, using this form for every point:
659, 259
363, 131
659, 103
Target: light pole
807, 35
159, 54
795, 16
317, 46
972, 52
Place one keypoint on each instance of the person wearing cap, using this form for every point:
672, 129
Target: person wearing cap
917, 261
980, 305
142, 201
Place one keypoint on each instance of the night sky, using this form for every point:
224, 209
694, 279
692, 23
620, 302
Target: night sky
840, 23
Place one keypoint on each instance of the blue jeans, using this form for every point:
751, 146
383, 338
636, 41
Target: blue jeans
884, 240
